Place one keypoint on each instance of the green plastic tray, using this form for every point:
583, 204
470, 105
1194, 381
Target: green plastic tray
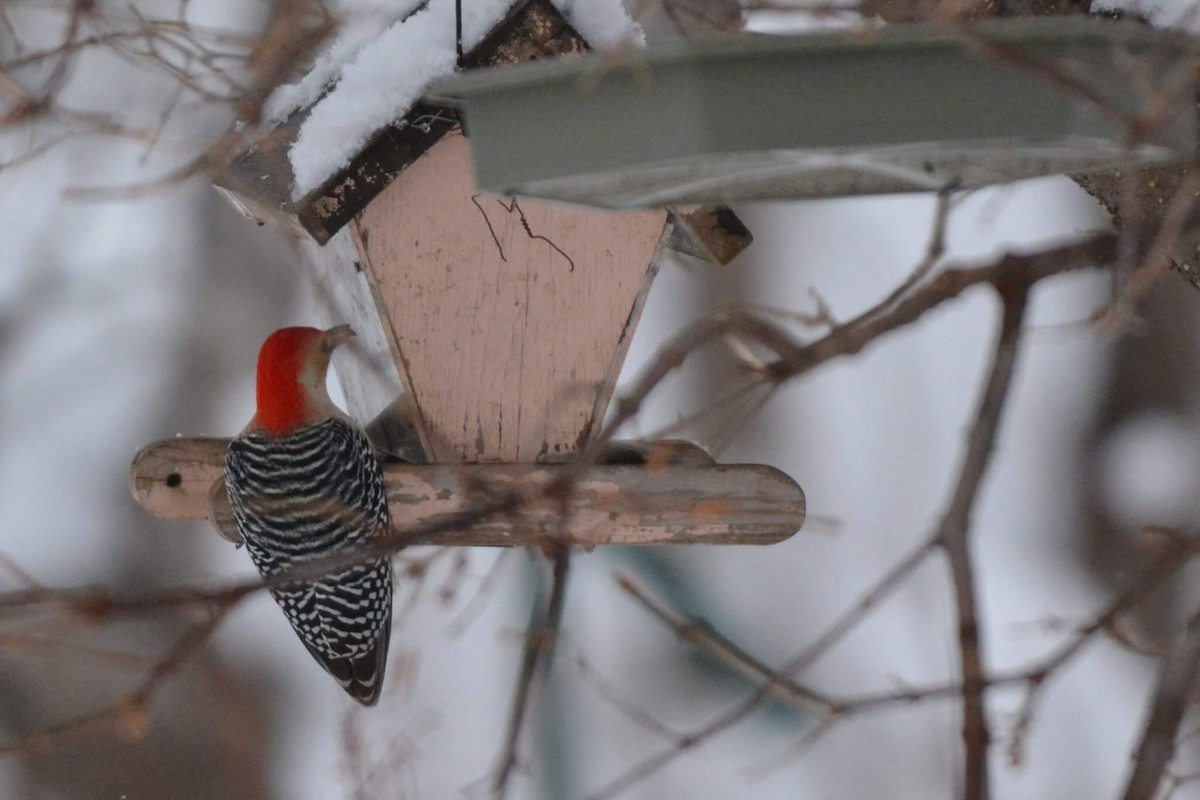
901, 108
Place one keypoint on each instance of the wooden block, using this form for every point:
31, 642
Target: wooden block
626, 505
712, 234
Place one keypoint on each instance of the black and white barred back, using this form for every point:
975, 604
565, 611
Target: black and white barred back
305, 495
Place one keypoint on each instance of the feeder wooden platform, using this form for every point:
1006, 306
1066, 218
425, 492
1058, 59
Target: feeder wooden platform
618, 504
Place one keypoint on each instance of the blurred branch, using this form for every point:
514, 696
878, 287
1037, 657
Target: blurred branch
101, 604
628, 708
1176, 550
743, 709
129, 715
953, 537
794, 358
239, 72
540, 639
1012, 276
934, 249
705, 638
212, 67
1176, 682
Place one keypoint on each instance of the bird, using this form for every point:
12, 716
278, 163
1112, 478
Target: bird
304, 483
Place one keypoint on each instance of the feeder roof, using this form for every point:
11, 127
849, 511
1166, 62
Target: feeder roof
367, 79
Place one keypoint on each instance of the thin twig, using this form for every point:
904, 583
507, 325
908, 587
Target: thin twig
1177, 552
100, 604
953, 536
797, 358
745, 707
538, 652
130, 711
710, 641
628, 708
1012, 275
935, 247
19, 572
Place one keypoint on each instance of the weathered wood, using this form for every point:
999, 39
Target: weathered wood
326, 209
509, 320
172, 478
640, 504
366, 368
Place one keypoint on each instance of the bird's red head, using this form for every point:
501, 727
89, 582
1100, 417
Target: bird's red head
291, 377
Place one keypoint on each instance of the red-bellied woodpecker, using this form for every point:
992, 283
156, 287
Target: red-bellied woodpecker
304, 483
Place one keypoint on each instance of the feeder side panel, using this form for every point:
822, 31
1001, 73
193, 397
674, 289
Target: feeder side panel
507, 317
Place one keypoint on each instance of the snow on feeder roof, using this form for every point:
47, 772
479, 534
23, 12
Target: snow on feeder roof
902, 108
339, 135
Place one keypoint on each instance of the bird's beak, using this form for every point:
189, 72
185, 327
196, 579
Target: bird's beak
336, 336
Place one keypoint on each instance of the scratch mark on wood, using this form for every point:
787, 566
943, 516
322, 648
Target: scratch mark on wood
491, 230
515, 207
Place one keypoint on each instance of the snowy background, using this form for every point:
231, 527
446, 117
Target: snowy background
123, 321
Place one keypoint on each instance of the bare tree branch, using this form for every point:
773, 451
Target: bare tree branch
130, 713
1176, 682
708, 640
953, 537
539, 647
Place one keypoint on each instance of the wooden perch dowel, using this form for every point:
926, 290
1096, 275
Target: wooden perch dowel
612, 504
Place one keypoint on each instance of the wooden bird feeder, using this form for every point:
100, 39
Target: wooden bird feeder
900, 109
503, 323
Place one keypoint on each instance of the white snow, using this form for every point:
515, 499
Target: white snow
358, 23
604, 23
1181, 14
378, 79
1150, 467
